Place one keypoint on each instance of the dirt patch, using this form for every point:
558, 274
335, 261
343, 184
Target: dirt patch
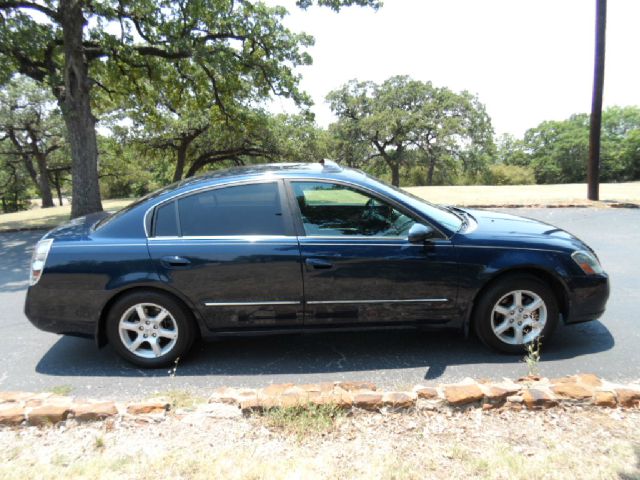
562, 443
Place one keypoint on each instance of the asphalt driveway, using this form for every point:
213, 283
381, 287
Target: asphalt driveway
38, 361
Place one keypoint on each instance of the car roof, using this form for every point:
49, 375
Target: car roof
323, 167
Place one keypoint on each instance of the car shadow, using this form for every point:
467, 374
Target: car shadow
332, 353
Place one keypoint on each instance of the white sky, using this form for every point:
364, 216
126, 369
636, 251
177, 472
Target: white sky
527, 60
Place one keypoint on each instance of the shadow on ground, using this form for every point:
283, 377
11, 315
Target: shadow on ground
321, 353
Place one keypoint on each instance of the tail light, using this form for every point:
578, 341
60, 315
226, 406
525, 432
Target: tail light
38, 260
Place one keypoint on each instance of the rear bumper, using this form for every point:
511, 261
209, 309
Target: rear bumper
59, 311
588, 298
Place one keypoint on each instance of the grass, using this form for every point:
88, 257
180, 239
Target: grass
473, 195
181, 399
561, 194
50, 217
303, 420
61, 390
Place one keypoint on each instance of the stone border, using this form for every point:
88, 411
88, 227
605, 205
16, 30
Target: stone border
532, 392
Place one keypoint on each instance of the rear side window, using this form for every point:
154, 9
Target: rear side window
238, 210
166, 222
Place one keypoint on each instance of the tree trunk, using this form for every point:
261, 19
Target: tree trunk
395, 174
76, 111
56, 182
43, 181
432, 167
182, 158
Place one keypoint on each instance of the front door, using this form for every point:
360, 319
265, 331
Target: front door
358, 266
232, 252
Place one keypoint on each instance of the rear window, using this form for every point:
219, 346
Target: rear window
253, 209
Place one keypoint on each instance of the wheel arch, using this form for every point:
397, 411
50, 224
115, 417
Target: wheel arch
100, 335
558, 287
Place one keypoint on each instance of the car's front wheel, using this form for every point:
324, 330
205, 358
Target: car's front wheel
150, 329
515, 311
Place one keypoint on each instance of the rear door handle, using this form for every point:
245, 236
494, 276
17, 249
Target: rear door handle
174, 261
318, 263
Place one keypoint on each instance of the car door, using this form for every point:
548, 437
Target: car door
232, 251
358, 265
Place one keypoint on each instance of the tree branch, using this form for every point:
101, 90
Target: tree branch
6, 5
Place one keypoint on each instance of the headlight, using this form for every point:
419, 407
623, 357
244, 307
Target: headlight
588, 262
38, 260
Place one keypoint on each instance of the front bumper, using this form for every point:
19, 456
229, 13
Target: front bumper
588, 297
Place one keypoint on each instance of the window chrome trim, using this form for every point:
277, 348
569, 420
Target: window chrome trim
412, 300
239, 238
507, 247
249, 304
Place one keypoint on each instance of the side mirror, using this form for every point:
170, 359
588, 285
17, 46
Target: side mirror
418, 233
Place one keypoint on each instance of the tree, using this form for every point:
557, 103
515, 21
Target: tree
73, 45
558, 150
403, 118
31, 131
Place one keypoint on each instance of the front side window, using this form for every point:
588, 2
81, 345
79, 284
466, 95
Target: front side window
331, 209
253, 209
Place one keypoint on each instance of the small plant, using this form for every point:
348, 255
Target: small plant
99, 444
304, 419
532, 357
181, 399
172, 371
61, 389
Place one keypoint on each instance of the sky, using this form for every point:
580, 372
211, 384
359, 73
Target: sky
527, 60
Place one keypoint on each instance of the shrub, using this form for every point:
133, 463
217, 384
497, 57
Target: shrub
509, 175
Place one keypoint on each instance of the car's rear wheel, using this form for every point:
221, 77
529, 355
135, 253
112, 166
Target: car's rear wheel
515, 311
150, 329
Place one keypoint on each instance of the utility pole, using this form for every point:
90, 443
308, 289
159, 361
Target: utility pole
593, 171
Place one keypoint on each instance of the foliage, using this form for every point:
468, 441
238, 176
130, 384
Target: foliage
195, 54
32, 137
558, 151
403, 119
499, 174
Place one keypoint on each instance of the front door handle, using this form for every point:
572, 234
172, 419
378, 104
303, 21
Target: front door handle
318, 263
174, 261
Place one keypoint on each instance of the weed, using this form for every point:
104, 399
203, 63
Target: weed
173, 370
99, 443
181, 399
532, 357
304, 419
61, 389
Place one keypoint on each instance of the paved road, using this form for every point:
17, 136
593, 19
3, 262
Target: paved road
36, 361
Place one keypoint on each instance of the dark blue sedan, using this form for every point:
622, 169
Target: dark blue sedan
304, 247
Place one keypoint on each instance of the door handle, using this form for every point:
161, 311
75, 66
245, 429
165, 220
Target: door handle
173, 261
318, 263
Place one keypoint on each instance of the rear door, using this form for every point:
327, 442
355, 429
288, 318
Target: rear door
358, 265
233, 252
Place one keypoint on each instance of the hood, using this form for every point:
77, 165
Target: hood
76, 229
494, 228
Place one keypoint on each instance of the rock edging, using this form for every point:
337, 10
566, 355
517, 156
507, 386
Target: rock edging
23, 408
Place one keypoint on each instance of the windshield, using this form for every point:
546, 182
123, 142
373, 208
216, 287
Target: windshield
439, 214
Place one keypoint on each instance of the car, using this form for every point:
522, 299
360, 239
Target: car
314, 247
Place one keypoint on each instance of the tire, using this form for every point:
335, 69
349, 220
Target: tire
165, 332
507, 321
